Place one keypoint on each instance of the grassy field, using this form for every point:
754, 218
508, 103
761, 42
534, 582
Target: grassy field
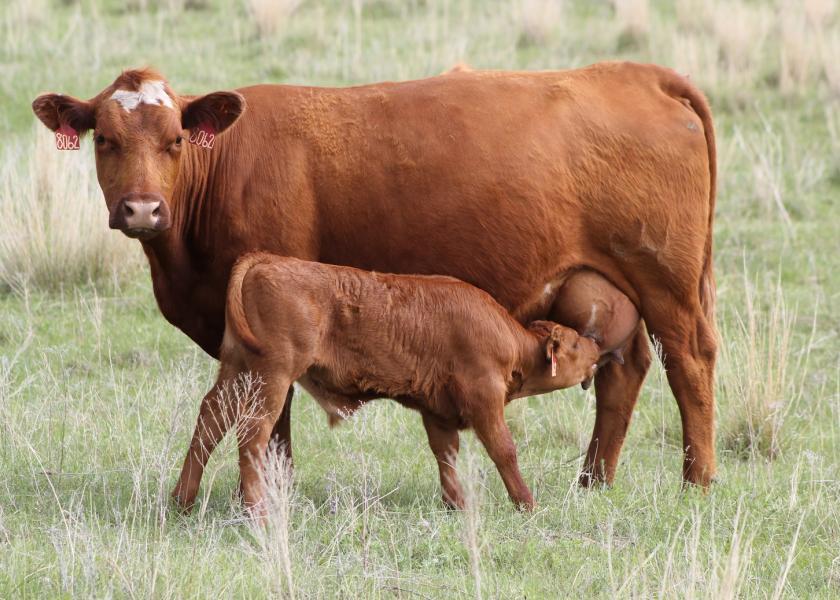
98, 394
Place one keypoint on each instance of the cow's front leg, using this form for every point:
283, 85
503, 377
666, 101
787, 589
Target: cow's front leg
281, 434
616, 392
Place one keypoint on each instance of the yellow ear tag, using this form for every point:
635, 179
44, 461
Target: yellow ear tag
553, 364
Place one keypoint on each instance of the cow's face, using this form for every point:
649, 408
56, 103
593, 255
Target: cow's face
140, 130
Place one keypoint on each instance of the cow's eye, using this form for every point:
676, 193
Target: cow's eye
178, 140
100, 140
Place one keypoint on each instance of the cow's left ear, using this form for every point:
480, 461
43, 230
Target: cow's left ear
215, 112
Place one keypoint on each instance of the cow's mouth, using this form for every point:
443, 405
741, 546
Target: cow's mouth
141, 234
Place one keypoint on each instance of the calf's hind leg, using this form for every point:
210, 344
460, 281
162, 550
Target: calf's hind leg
445, 443
254, 434
217, 413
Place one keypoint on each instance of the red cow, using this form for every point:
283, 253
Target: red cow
509, 181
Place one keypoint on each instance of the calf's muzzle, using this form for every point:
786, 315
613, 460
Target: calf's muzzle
140, 215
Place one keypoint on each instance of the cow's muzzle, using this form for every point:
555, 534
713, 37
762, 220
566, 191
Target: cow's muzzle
140, 215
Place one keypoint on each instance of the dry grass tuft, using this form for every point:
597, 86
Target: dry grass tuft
537, 20
272, 532
471, 517
762, 380
271, 16
633, 16
54, 227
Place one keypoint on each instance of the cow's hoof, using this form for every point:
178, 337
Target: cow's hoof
183, 504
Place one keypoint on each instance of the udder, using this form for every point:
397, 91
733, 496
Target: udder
594, 307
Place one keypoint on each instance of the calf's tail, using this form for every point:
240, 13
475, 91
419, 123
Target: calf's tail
236, 322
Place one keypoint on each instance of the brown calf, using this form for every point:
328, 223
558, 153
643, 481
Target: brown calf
434, 344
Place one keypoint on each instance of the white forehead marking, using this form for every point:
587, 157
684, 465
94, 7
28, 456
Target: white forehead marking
150, 92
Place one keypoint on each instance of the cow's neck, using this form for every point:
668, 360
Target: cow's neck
177, 257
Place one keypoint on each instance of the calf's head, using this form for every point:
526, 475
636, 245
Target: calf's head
140, 130
571, 359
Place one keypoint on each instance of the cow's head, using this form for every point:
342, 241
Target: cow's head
140, 130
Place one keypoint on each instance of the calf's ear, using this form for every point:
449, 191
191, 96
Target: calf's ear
214, 112
57, 110
556, 339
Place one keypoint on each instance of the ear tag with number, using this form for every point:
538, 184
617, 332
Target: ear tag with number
66, 138
204, 135
553, 364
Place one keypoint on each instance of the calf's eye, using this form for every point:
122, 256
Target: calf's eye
100, 140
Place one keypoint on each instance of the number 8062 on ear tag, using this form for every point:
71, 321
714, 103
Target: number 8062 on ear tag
66, 138
204, 135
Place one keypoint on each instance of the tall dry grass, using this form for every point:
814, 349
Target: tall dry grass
762, 373
55, 224
471, 519
272, 534
271, 16
538, 19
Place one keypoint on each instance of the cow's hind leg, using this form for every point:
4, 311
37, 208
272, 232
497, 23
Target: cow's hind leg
445, 443
616, 392
689, 348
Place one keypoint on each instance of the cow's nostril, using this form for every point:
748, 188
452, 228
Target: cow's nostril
156, 211
128, 210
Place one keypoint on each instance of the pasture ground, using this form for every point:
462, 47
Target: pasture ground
98, 394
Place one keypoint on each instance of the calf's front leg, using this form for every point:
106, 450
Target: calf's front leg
490, 427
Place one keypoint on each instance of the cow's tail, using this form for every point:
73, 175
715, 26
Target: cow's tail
679, 87
236, 322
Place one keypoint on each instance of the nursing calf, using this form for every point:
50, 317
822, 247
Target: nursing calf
434, 344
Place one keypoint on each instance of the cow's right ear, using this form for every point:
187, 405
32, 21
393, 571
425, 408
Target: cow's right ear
57, 110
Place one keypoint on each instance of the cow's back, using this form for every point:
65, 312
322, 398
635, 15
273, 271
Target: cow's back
503, 180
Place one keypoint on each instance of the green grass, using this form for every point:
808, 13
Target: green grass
98, 394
